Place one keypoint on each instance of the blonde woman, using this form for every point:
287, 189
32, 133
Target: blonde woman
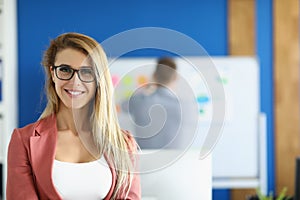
76, 150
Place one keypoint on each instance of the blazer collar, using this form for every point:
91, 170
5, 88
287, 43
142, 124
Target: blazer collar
46, 125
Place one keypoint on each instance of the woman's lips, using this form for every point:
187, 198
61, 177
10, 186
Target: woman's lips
74, 93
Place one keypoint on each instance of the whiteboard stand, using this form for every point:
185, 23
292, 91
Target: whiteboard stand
256, 182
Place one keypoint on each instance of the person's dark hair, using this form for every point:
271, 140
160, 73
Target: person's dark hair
165, 71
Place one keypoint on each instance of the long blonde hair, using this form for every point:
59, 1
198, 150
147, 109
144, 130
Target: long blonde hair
107, 134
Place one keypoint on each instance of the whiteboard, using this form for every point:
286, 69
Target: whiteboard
236, 154
235, 150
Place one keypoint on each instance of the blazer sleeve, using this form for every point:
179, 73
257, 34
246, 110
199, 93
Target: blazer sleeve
135, 189
134, 192
20, 181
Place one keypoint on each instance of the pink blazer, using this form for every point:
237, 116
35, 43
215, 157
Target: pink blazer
30, 158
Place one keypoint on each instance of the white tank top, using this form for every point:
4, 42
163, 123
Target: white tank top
77, 181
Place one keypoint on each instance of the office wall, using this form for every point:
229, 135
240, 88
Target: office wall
286, 84
39, 21
204, 21
241, 41
250, 33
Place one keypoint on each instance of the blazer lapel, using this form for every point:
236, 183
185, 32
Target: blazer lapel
113, 172
42, 150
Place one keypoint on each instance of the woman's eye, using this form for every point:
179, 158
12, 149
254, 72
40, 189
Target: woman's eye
65, 69
86, 71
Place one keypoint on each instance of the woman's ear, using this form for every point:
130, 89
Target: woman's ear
52, 73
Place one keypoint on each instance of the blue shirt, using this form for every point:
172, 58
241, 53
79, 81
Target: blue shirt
157, 118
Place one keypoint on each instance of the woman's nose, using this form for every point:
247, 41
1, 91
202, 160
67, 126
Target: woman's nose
75, 79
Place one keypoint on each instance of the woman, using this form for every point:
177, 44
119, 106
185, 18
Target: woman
76, 150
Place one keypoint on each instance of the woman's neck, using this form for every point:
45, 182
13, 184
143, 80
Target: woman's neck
75, 120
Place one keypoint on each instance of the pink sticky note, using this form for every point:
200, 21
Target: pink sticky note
115, 80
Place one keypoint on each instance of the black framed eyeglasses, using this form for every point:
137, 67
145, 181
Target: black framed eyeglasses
66, 72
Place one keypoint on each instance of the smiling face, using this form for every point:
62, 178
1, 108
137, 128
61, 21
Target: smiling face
73, 93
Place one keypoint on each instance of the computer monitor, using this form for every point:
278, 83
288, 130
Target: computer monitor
167, 177
297, 179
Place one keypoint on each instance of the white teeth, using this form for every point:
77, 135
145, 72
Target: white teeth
74, 92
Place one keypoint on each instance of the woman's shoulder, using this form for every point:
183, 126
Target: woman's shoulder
30, 129
24, 133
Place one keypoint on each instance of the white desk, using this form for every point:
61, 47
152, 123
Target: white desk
188, 177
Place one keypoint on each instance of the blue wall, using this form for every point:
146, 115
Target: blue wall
39, 21
264, 50
204, 21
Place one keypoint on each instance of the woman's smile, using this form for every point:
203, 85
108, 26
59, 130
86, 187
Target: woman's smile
74, 93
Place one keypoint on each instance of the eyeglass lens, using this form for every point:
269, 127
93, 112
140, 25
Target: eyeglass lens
65, 72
